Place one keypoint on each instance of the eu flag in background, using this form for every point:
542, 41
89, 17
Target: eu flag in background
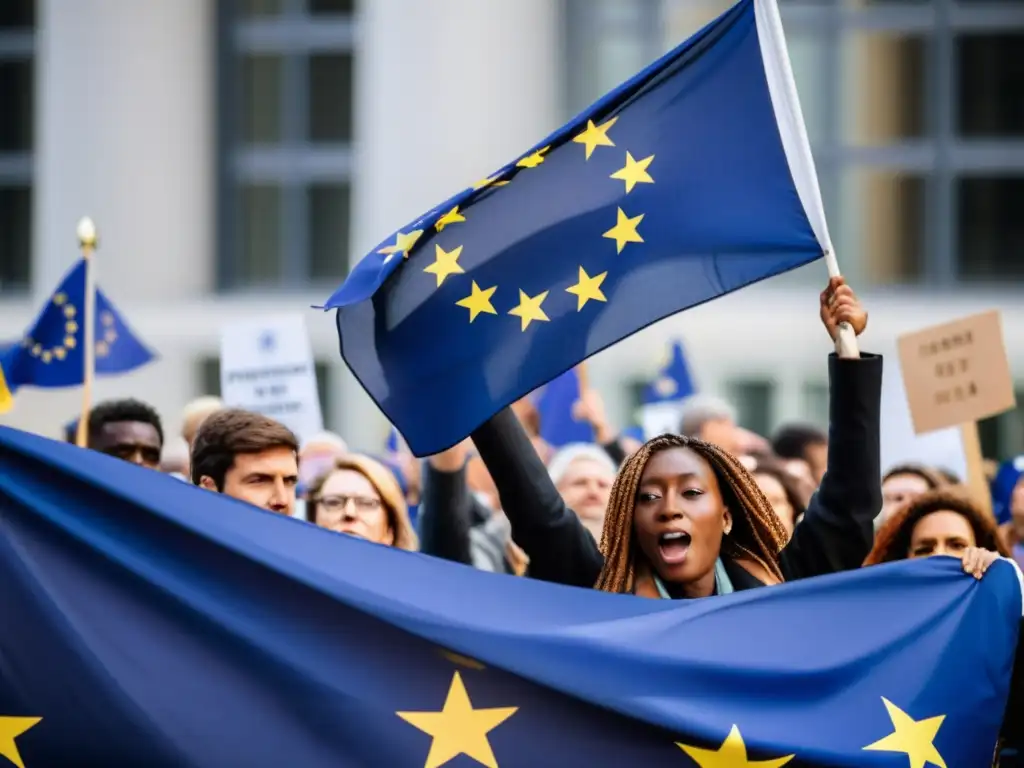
691, 180
149, 622
51, 353
662, 398
555, 403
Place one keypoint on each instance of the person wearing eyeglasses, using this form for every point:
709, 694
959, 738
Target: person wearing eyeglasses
360, 497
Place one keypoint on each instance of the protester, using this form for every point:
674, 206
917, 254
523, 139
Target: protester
316, 456
782, 489
905, 481
1007, 488
583, 474
249, 457
360, 497
712, 420
680, 502
802, 446
128, 429
195, 413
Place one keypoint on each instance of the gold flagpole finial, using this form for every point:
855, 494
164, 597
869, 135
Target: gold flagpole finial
86, 234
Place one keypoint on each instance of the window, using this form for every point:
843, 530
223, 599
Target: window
754, 401
991, 77
286, 111
991, 227
1003, 435
209, 383
17, 44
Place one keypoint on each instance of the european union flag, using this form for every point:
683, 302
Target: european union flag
149, 622
687, 182
51, 353
673, 382
558, 425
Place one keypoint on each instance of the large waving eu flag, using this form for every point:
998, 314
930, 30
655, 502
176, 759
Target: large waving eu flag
149, 622
51, 354
689, 181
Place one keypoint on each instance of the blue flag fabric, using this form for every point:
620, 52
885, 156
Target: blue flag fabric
51, 354
673, 382
555, 403
149, 622
676, 188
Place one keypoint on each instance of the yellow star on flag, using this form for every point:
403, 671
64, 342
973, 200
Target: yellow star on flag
732, 754
478, 301
624, 230
458, 729
403, 243
914, 738
587, 288
490, 181
529, 309
595, 136
10, 729
445, 263
634, 172
452, 217
533, 159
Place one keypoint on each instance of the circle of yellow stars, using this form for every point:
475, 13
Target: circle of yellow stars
57, 352
529, 308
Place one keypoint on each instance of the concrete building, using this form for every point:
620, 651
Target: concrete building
238, 156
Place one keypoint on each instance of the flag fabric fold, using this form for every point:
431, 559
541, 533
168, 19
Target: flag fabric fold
148, 622
51, 353
689, 181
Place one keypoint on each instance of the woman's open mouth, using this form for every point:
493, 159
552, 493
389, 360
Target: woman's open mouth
674, 546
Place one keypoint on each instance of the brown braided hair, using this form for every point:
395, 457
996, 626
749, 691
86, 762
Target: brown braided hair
757, 533
892, 542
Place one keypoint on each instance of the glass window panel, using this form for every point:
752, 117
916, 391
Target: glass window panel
260, 242
16, 96
991, 228
329, 206
347, 7
884, 78
17, 14
15, 238
816, 403
753, 400
1003, 435
884, 225
258, 8
991, 83
260, 102
330, 97
808, 54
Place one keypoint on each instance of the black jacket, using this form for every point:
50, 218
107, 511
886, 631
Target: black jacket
835, 534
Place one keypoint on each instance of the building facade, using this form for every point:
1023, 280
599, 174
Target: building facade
239, 155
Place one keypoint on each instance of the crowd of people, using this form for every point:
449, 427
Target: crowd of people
709, 510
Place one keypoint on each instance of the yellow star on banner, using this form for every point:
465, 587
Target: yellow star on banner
624, 230
596, 136
587, 288
458, 729
914, 738
732, 754
403, 243
634, 172
529, 309
490, 181
452, 217
478, 301
10, 729
534, 159
445, 263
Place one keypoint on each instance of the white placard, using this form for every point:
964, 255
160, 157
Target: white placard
266, 366
661, 418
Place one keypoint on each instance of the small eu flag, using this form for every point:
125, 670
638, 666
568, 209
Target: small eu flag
148, 622
673, 382
51, 353
555, 405
691, 180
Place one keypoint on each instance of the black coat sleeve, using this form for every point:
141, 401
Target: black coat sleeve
446, 512
1013, 721
837, 530
560, 549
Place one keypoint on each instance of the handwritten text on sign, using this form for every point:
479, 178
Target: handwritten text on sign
956, 373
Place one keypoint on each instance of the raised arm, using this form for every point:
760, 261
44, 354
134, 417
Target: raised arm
837, 530
446, 508
559, 547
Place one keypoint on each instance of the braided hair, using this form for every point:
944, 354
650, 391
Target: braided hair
757, 533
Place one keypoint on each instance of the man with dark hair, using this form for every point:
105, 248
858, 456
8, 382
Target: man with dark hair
249, 457
128, 429
802, 442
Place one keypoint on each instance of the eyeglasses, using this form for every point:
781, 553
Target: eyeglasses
338, 502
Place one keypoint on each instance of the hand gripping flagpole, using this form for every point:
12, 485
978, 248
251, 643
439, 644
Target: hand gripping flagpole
846, 339
87, 243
